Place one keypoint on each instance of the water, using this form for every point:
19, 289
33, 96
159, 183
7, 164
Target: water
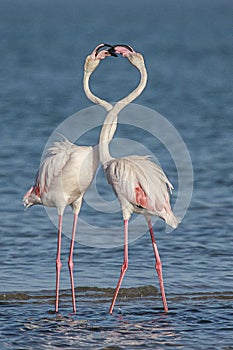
188, 52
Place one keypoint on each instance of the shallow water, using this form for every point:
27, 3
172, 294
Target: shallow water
194, 319
188, 52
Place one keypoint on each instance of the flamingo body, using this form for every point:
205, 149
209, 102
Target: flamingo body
141, 187
64, 176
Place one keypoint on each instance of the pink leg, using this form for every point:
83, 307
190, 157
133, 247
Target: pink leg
58, 260
124, 266
70, 261
158, 266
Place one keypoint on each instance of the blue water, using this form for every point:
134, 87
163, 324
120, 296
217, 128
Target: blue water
188, 51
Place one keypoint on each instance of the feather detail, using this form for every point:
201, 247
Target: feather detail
65, 173
140, 197
142, 187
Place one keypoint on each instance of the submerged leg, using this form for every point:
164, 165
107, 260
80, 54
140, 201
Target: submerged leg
58, 261
70, 261
124, 266
158, 266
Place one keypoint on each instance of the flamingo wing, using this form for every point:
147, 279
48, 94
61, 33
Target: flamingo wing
143, 185
56, 158
142, 182
155, 192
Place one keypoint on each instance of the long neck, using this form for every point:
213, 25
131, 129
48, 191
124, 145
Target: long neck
95, 99
110, 122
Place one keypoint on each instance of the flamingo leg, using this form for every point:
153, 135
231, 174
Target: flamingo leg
124, 266
70, 261
58, 261
158, 266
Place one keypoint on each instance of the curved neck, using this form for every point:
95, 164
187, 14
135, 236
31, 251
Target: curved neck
95, 99
110, 122
90, 95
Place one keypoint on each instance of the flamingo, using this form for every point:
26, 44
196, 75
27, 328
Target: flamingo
140, 185
66, 173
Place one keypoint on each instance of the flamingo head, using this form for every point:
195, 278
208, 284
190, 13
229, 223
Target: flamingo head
122, 49
99, 53
127, 51
136, 59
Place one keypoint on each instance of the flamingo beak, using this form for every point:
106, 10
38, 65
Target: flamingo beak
121, 49
112, 51
102, 51
106, 48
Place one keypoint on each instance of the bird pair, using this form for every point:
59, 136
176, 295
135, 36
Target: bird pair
68, 170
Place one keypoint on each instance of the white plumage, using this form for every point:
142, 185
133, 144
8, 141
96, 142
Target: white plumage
64, 176
141, 186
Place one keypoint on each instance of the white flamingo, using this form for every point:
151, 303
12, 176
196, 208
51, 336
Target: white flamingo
66, 173
140, 185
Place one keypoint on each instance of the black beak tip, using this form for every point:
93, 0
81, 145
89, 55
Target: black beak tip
110, 49
112, 52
